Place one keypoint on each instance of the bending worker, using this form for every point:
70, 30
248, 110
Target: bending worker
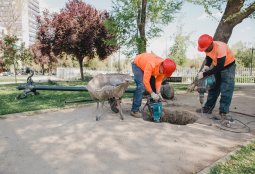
218, 54
145, 66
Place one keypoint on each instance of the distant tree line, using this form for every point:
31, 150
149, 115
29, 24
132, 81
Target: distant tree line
77, 30
80, 32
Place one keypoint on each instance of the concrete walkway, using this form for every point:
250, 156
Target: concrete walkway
72, 142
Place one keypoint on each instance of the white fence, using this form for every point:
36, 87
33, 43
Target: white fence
187, 74
74, 73
243, 75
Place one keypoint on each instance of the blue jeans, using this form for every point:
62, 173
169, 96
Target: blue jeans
225, 83
138, 95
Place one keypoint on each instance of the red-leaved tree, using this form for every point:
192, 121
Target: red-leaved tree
80, 31
39, 58
42, 49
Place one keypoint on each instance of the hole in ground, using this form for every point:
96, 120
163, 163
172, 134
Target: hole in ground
178, 116
174, 116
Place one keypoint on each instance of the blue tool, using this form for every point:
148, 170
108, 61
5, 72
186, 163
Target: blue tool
204, 85
156, 110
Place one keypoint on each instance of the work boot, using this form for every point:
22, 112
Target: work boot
225, 116
136, 114
218, 117
222, 116
205, 110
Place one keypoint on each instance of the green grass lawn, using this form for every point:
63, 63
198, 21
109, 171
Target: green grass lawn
46, 99
243, 162
20, 78
180, 87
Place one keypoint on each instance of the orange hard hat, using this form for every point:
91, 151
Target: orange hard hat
204, 41
169, 67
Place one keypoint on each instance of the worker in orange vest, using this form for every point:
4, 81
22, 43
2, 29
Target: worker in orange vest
221, 57
145, 66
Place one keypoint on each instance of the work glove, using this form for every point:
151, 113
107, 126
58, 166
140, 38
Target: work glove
154, 96
206, 68
200, 75
160, 96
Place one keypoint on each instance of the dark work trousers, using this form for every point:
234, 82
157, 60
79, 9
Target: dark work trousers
138, 94
139, 91
225, 83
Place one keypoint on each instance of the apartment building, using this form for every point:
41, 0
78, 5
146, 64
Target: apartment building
18, 17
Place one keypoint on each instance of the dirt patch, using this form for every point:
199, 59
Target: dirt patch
177, 116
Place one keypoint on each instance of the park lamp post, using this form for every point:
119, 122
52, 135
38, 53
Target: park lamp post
250, 46
252, 49
15, 47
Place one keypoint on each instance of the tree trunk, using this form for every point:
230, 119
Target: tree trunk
15, 71
43, 71
223, 32
226, 25
81, 68
141, 21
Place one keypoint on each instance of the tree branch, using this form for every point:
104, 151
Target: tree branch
242, 14
233, 6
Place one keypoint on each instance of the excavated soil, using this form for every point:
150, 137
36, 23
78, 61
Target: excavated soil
180, 117
172, 115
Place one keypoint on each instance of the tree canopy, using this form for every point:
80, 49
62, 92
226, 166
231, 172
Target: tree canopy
243, 54
179, 48
79, 30
9, 49
42, 50
136, 21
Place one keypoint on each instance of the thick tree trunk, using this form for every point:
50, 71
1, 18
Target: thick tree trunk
81, 68
142, 41
223, 32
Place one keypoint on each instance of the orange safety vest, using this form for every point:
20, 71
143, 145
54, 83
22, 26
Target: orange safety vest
220, 49
149, 64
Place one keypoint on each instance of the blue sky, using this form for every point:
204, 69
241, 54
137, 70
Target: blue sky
193, 19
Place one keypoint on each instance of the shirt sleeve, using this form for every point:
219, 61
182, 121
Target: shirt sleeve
146, 77
159, 80
219, 66
208, 61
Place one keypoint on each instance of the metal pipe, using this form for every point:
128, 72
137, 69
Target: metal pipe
53, 88
78, 101
130, 90
62, 88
